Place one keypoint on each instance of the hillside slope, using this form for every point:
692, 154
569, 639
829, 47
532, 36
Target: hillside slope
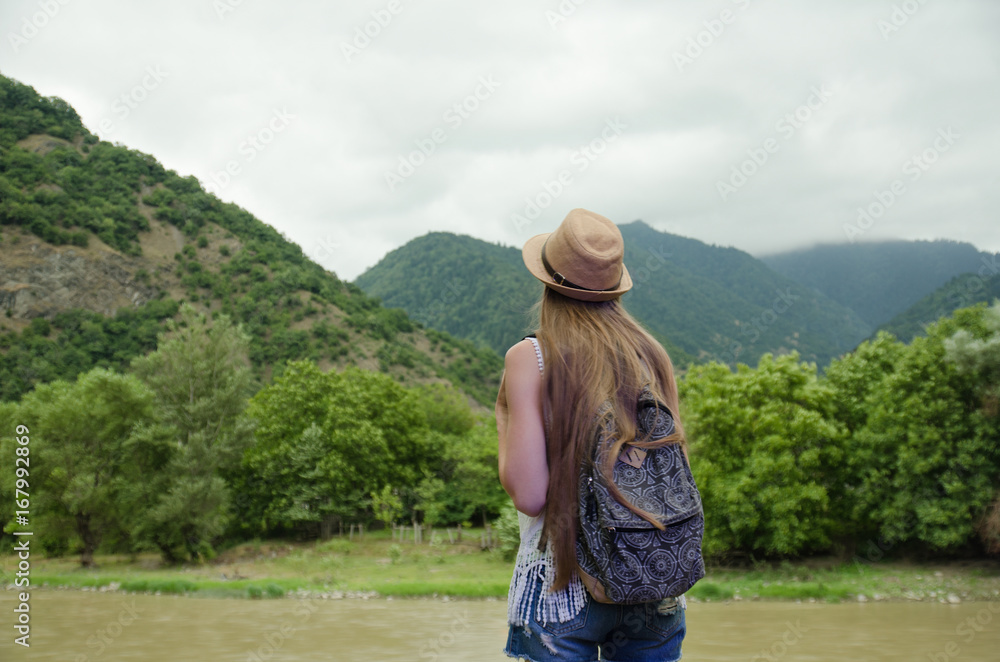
90, 228
701, 301
720, 302
459, 284
960, 292
878, 280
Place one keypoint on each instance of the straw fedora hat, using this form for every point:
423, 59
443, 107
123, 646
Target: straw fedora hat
581, 259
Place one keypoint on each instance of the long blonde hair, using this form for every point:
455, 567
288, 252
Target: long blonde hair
595, 352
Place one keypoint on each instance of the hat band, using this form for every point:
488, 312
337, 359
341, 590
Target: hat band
565, 282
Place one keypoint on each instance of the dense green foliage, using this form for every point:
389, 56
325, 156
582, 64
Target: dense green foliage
201, 377
345, 447
464, 286
75, 342
959, 292
879, 280
700, 301
979, 357
175, 458
766, 451
721, 303
87, 448
26, 113
923, 463
895, 444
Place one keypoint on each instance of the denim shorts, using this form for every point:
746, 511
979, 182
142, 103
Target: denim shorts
623, 633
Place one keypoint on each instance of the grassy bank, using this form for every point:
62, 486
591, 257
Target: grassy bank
377, 565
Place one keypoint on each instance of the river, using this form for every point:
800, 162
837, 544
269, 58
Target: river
79, 626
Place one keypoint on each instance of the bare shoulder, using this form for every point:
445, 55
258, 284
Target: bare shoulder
521, 360
519, 349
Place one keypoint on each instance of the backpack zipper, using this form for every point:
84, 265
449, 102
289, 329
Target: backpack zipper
633, 529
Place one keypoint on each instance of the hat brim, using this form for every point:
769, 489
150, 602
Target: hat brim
531, 253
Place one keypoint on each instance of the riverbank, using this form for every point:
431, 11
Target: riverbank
377, 566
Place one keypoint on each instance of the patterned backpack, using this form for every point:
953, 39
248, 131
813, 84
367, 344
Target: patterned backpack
622, 558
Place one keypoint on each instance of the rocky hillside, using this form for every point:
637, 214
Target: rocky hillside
99, 243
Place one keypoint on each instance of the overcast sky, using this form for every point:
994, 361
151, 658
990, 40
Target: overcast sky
355, 127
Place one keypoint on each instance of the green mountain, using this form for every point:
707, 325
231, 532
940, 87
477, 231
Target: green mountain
461, 285
959, 292
720, 302
99, 244
701, 301
879, 280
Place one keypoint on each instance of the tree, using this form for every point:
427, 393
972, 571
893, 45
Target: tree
201, 377
980, 357
856, 376
86, 441
465, 483
763, 449
8, 444
923, 465
857, 383
387, 505
326, 442
282, 476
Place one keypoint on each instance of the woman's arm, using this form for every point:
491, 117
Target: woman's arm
524, 469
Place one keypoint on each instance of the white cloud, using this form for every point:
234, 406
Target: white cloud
321, 179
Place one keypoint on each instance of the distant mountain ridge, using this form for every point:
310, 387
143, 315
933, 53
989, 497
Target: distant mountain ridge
720, 302
879, 280
444, 281
701, 301
962, 291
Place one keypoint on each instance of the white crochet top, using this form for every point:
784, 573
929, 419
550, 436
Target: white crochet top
532, 564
